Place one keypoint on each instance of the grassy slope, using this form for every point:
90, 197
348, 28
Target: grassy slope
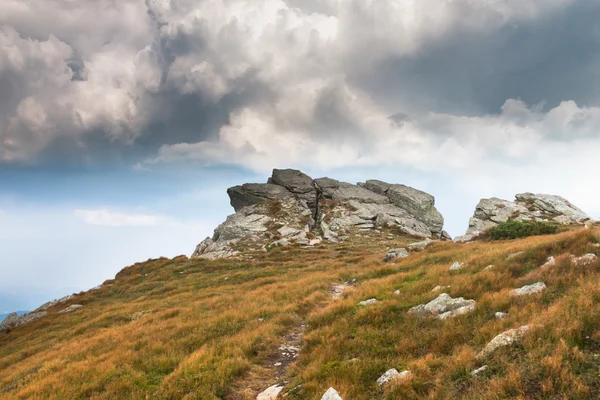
194, 329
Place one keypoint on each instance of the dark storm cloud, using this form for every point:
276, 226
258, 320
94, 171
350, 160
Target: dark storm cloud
215, 81
546, 60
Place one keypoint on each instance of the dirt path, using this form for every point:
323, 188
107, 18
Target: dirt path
275, 371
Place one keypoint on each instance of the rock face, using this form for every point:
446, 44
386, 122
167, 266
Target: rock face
444, 307
526, 207
299, 209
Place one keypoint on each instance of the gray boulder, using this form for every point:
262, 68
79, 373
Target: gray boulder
526, 207
396, 253
504, 339
444, 307
297, 183
529, 289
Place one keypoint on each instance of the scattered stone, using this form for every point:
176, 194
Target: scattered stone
71, 308
315, 241
584, 260
277, 364
396, 253
392, 375
488, 267
331, 394
529, 289
368, 302
504, 339
420, 245
397, 292
439, 288
444, 307
456, 266
279, 243
479, 370
514, 255
526, 207
336, 290
550, 262
500, 315
271, 393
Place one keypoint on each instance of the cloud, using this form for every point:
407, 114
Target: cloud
103, 217
161, 79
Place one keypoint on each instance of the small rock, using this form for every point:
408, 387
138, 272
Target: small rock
503, 339
315, 242
271, 393
529, 289
584, 260
420, 245
277, 364
397, 292
514, 255
391, 375
439, 288
479, 370
444, 307
368, 302
456, 266
396, 253
488, 267
550, 262
331, 394
500, 315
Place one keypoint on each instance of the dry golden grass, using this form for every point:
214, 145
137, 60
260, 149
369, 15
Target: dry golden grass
194, 329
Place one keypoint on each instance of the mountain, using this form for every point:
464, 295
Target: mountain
376, 313
2, 316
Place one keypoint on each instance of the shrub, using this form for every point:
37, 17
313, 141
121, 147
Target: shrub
520, 229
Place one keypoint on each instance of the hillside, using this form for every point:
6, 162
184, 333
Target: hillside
230, 328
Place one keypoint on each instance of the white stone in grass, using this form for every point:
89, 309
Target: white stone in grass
488, 267
368, 302
529, 289
583, 260
550, 262
391, 375
479, 370
271, 393
500, 315
456, 266
331, 394
439, 288
504, 339
397, 292
444, 307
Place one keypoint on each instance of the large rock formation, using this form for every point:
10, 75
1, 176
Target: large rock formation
526, 207
294, 208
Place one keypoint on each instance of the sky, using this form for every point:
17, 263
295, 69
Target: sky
122, 123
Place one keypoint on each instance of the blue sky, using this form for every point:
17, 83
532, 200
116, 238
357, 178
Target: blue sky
123, 123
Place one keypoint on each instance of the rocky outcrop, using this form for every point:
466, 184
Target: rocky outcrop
294, 208
526, 207
13, 320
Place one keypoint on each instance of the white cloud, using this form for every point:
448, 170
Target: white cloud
103, 217
82, 66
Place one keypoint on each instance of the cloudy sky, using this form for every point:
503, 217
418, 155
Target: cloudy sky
122, 122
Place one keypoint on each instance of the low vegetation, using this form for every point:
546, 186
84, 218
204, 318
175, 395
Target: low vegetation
520, 229
197, 329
